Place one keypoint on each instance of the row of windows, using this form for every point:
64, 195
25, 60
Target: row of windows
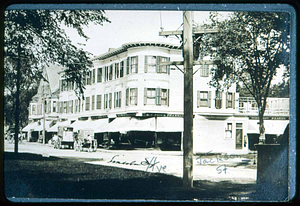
204, 99
118, 70
37, 109
153, 96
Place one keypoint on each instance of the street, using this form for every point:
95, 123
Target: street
220, 174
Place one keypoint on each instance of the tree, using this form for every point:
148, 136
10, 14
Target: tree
33, 38
251, 46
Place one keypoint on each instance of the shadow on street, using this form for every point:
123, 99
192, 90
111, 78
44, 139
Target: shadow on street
34, 176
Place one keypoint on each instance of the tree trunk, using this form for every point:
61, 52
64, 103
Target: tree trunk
262, 137
17, 112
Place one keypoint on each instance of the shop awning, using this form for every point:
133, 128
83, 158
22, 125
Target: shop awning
100, 125
78, 125
276, 127
30, 126
54, 128
40, 127
118, 125
141, 124
169, 124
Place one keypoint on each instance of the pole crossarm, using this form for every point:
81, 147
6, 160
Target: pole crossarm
195, 31
199, 62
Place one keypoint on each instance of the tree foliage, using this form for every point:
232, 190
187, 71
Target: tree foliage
42, 41
251, 46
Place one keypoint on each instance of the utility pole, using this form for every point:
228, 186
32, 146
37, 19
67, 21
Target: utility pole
188, 99
188, 63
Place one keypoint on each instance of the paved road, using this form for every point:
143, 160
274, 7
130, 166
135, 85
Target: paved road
234, 168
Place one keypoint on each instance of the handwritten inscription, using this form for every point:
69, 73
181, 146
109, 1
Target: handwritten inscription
219, 160
215, 159
152, 164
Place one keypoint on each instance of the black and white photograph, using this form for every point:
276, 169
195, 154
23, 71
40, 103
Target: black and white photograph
174, 103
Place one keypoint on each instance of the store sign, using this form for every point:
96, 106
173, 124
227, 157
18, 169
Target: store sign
126, 115
99, 117
270, 118
161, 115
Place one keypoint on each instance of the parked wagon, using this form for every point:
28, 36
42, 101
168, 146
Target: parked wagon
64, 137
85, 140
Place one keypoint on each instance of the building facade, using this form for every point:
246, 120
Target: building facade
132, 97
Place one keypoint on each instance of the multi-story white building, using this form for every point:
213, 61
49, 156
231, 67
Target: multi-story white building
131, 97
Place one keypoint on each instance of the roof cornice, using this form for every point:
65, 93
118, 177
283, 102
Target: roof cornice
126, 46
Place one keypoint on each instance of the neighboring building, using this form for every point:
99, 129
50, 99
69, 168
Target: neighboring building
130, 97
49, 92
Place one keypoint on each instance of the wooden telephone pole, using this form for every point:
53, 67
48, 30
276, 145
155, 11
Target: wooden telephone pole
188, 99
188, 55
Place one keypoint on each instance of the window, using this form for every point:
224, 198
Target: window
110, 100
218, 102
228, 131
116, 70
150, 64
121, 68
229, 100
105, 101
61, 109
33, 109
117, 99
203, 98
70, 107
150, 96
76, 105
82, 104
93, 102
163, 68
110, 72
156, 96
54, 106
99, 75
87, 104
204, 70
134, 65
106, 74
163, 97
88, 78
131, 96
65, 107
98, 101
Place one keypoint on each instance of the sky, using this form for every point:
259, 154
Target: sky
134, 26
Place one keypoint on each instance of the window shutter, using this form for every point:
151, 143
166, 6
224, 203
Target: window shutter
146, 64
233, 100
127, 65
198, 99
145, 96
226, 102
158, 59
136, 96
158, 96
168, 97
137, 64
209, 99
127, 96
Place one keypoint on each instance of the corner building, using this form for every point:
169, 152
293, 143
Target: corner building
131, 98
